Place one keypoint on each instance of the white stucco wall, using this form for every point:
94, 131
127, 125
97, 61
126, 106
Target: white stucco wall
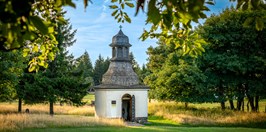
104, 97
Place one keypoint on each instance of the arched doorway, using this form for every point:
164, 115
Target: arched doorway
127, 107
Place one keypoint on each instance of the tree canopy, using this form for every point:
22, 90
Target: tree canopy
235, 56
31, 24
232, 67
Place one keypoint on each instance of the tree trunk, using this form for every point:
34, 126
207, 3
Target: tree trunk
251, 102
257, 103
51, 108
186, 105
243, 105
232, 107
239, 103
19, 105
248, 106
223, 105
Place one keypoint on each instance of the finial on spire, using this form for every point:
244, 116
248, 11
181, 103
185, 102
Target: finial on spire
120, 27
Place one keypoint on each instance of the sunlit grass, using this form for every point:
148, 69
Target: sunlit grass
44, 109
203, 116
16, 122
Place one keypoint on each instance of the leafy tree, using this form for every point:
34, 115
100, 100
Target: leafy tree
83, 63
60, 81
143, 73
156, 60
235, 57
12, 64
134, 63
176, 77
67, 84
100, 67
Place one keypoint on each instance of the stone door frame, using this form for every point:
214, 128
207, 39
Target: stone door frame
129, 111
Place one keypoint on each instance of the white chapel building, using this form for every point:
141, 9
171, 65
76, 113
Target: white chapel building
120, 95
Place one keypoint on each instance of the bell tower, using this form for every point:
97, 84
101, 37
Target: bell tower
120, 47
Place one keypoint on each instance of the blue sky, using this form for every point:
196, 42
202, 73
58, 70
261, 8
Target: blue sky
96, 27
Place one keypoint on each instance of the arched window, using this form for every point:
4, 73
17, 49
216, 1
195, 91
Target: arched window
120, 52
113, 52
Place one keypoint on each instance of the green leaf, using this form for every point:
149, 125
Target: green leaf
130, 4
39, 24
122, 5
50, 29
114, 12
26, 52
113, 1
117, 16
113, 6
52, 37
167, 20
29, 36
45, 65
32, 68
127, 18
61, 20
255, 3
42, 48
259, 23
70, 3
51, 56
153, 13
41, 63
202, 15
35, 48
209, 2
248, 21
119, 19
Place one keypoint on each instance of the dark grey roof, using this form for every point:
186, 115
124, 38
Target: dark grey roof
115, 86
120, 39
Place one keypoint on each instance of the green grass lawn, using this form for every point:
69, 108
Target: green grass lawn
146, 129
